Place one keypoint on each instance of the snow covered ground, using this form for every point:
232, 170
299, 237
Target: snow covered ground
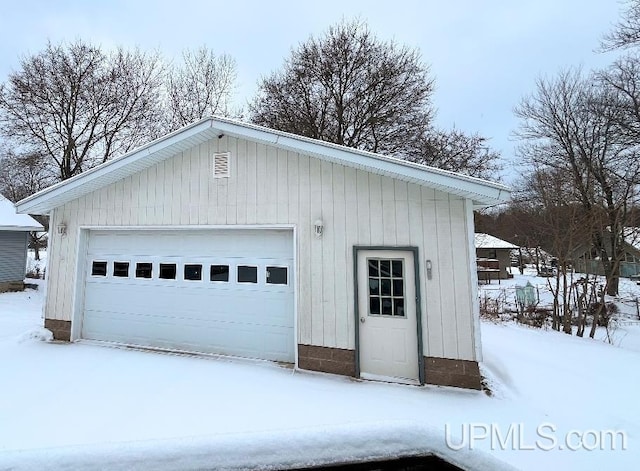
82, 406
36, 266
624, 331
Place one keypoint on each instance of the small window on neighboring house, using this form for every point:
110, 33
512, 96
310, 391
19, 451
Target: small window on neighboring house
219, 273
247, 274
167, 271
143, 270
121, 269
193, 272
99, 268
277, 275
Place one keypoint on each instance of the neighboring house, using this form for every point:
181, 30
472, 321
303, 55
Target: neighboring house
493, 257
14, 238
234, 239
586, 258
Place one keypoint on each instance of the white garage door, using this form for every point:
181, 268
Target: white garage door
219, 291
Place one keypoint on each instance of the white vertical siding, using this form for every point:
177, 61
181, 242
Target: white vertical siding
339, 242
364, 204
351, 234
327, 265
272, 186
314, 245
305, 271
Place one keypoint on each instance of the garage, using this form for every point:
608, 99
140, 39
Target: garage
223, 291
229, 238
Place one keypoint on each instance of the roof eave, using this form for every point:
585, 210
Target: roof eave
21, 228
482, 193
44, 201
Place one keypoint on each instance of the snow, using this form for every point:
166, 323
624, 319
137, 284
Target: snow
487, 241
36, 266
85, 406
10, 221
20, 312
624, 330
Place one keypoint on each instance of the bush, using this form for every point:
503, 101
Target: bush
606, 312
34, 273
534, 316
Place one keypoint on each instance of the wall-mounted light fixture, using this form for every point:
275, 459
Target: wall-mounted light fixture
318, 228
62, 229
428, 266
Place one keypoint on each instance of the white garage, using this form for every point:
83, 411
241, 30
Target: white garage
226, 292
229, 238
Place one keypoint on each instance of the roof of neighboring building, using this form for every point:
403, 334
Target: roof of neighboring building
11, 221
632, 237
487, 241
481, 192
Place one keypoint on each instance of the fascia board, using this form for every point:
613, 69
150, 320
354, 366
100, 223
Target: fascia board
21, 228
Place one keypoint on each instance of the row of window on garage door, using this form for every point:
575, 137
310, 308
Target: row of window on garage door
217, 273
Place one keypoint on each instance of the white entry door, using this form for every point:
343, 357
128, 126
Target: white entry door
388, 331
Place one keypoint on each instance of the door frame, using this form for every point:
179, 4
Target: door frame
418, 300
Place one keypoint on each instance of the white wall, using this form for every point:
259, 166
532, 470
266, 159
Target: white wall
273, 186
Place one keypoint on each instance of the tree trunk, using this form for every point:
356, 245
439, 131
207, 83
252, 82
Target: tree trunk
597, 314
613, 284
566, 317
609, 267
581, 309
35, 242
555, 324
520, 262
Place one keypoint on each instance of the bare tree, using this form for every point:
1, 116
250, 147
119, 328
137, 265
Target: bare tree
458, 152
571, 125
78, 107
563, 227
622, 77
130, 104
626, 33
350, 88
22, 175
202, 85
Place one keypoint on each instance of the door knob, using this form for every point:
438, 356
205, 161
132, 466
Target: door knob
362, 320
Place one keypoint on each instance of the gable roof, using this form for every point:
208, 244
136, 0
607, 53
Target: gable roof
632, 237
631, 241
11, 221
482, 192
487, 241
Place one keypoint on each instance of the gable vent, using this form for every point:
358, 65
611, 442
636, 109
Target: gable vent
221, 165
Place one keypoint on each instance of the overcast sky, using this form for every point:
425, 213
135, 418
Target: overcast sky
484, 55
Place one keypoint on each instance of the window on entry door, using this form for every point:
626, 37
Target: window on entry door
386, 287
